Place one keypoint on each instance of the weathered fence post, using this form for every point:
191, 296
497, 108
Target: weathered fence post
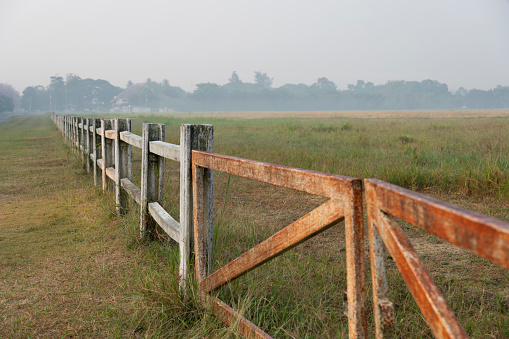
123, 164
202, 138
383, 308
66, 125
152, 167
355, 268
88, 143
199, 137
82, 140
106, 151
97, 145
75, 139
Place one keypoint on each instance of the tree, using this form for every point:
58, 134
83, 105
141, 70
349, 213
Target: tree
57, 93
235, 79
9, 91
324, 83
129, 84
6, 104
262, 79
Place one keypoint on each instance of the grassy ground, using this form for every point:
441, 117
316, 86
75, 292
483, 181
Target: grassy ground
85, 272
460, 158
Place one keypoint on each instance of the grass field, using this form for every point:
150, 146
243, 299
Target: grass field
129, 287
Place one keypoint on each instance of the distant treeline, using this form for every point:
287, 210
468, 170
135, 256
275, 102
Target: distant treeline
76, 94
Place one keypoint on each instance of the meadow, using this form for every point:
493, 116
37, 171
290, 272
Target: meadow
459, 157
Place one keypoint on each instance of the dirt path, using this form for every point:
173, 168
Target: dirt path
65, 269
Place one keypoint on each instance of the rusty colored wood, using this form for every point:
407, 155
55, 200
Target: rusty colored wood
383, 322
484, 236
229, 316
327, 185
435, 310
355, 270
316, 221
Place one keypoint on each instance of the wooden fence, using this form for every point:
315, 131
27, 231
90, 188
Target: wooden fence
106, 148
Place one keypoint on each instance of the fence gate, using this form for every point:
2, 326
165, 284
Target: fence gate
345, 203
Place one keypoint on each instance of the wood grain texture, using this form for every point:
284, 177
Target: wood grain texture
132, 139
166, 150
482, 235
164, 220
327, 185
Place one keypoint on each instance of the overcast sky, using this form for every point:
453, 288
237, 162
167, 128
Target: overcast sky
458, 42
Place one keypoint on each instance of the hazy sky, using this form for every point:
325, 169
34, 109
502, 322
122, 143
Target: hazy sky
459, 42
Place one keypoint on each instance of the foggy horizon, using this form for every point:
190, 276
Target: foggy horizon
459, 43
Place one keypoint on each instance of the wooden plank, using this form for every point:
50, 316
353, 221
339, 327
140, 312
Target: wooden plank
199, 137
316, 221
100, 163
99, 131
435, 310
384, 318
106, 152
164, 220
328, 185
229, 316
110, 173
355, 268
123, 164
484, 236
132, 139
152, 171
131, 189
109, 134
96, 149
166, 150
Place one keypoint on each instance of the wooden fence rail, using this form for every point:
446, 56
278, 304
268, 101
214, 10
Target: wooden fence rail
484, 236
106, 147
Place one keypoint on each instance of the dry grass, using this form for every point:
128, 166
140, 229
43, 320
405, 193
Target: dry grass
64, 266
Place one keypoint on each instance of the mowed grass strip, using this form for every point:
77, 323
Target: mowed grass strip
65, 269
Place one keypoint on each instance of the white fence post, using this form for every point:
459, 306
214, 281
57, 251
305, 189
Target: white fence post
152, 176
88, 143
123, 164
197, 137
106, 151
96, 147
